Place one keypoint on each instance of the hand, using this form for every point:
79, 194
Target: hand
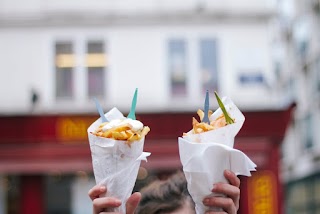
100, 204
230, 203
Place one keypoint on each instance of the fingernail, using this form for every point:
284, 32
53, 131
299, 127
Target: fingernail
214, 187
102, 188
117, 201
206, 201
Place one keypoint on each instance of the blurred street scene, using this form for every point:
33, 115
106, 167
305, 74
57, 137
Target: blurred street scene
56, 56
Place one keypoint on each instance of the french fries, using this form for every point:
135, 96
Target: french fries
122, 132
199, 127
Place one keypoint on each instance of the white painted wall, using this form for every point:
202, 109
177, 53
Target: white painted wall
22, 66
18, 8
138, 58
137, 53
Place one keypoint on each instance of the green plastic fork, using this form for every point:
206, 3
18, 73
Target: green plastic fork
132, 114
229, 120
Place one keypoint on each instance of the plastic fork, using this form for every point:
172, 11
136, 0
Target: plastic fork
229, 120
206, 109
132, 114
100, 110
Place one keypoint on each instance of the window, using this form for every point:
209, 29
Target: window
80, 202
301, 33
303, 48
177, 67
317, 71
12, 187
182, 69
96, 63
296, 195
309, 132
73, 81
208, 65
306, 131
64, 65
317, 193
251, 78
58, 193
302, 196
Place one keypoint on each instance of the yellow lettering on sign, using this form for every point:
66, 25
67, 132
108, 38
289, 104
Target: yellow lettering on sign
72, 129
262, 195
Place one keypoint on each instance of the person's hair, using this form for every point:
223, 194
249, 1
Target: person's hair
165, 196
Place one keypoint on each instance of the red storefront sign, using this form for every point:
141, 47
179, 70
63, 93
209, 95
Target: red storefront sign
262, 193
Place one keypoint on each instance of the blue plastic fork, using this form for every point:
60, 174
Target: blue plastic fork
100, 110
206, 109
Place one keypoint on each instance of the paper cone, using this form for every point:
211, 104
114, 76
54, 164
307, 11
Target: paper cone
115, 163
205, 156
204, 163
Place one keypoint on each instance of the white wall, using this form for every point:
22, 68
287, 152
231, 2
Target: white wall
22, 66
137, 52
138, 58
37, 8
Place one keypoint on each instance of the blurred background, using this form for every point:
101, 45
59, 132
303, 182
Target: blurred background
55, 56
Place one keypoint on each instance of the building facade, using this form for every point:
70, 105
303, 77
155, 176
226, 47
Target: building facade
68, 53
300, 31
57, 56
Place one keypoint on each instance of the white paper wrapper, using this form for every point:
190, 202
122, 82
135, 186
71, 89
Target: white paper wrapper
205, 156
115, 164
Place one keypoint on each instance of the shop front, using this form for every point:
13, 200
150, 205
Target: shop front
45, 160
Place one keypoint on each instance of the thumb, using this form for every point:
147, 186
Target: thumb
133, 202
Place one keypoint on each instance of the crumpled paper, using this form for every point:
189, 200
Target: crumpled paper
205, 156
115, 164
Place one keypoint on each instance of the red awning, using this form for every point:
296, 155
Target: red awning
59, 143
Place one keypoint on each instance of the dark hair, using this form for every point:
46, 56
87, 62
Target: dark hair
165, 196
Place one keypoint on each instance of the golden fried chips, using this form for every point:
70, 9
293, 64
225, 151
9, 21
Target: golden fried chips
121, 132
200, 127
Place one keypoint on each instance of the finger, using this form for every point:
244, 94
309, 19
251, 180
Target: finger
96, 191
216, 212
230, 191
235, 181
109, 213
226, 204
100, 204
232, 178
133, 202
226, 189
